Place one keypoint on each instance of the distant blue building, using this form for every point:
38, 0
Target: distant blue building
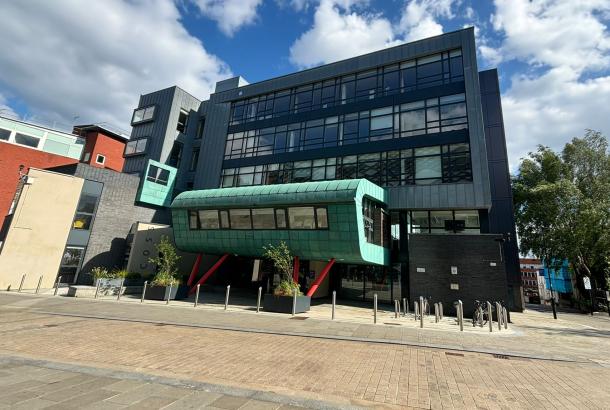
560, 279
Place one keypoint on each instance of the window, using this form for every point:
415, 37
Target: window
280, 218
4, 134
135, 147
200, 127
175, 156
194, 159
445, 222
427, 165
157, 175
322, 218
193, 220
84, 212
143, 114
182, 120
27, 140
86, 157
302, 218
240, 219
208, 219
224, 220
70, 263
263, 218
100, 159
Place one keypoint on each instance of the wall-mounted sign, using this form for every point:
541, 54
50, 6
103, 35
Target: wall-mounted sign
454, 270
455, 286
492, 264
587, 282
421, 270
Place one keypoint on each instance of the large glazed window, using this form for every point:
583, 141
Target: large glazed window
4, 134
27, 140
240, 219
375, 219
136, 147
302, 217
445, 222
263, 218
157, 175
143, 115
208, 219
84, 212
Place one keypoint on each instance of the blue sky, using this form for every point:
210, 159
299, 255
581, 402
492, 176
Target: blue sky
89, 61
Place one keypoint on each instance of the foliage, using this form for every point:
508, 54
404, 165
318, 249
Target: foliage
166, 262
119, 273
562, 205
281, 258
100, 273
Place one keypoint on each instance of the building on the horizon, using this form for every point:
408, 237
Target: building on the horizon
531, 271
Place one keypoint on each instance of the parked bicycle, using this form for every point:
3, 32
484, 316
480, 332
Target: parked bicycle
480, 315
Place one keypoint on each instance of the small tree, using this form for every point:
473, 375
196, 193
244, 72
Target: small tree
166, 261
282, 261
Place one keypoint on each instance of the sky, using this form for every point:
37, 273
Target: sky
65, 62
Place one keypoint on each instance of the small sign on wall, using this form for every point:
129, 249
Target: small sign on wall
454, 270
455, 286
421, 270
492, 264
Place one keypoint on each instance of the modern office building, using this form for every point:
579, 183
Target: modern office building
418, 121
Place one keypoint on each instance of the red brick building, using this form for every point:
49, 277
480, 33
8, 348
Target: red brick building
530, 276
104, 147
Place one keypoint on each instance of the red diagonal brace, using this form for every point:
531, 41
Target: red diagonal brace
195, 269
209, 273
295, 270
320, 278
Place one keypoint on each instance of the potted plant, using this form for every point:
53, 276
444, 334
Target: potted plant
165, 283
281, 300
107, 279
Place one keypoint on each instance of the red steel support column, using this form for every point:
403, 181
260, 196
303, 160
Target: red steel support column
295, 270
195, 269
209, 273
320, 278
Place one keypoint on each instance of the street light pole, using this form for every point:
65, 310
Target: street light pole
552, 296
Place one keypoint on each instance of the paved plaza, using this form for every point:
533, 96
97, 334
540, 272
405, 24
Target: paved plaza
274, 360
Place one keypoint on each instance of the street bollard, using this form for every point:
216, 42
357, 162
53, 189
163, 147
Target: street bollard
395, 309
334, 303
21, 284
197, 295
39, 283
460, 313
440, 305
421, 311
405, 305
144, 291
227, 296
97, 288
258, 299
499, 315
57, 285
436, 314
505, 318
490, 318
375, 308
118, 297
415, 310
294, 302
169, 294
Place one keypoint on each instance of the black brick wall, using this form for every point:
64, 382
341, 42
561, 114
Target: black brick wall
472, 254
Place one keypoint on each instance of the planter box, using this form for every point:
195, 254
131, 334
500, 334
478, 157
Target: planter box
283, 304
109, 283
161, 292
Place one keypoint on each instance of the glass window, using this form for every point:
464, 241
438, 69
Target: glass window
135, 147
240, 219
280, 218
428, 168
302, 217
379, 123
194, 159
193, 220
419, 222
143, 114
322, 218
263, 218
100, 159
182, 120
470, 218
438, 218
224, 219
82, 221
413, 122
4, 134
200, 127
157, 175
70, 263
175, 156
208, 219
87, 203
27, 140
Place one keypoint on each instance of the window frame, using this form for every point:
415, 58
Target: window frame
156, 179
144, 111
97, 157
136, 152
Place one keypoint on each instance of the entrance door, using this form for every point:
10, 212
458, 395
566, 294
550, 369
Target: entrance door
362, 282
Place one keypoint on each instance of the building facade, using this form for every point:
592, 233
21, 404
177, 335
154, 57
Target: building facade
418, 120
531, 270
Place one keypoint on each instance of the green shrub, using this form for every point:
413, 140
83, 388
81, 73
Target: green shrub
119, 273
166, 261
282, 261
100, 273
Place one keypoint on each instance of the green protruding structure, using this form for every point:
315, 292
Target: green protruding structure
155, 193
344, 239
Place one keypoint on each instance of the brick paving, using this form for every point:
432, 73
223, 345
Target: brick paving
340, 372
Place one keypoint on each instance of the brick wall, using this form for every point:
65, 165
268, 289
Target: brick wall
111, 148
471, 254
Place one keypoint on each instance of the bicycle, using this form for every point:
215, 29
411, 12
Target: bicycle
480, 314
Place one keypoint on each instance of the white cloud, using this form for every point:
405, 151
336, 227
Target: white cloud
341, 29
567, 44
93, 59
5, 109
230, 15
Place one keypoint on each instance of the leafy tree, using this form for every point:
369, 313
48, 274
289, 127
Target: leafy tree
167, 263
281, 258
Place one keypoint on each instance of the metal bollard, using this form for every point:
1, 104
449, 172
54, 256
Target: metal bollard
21, 284
375, 308
169, 294
39, 283
334, 303
118, 297
227, 296
499, 315
258, 299
436, 314
144, 291
415, 310
505, 318
490, 318
294, 302
460, 313
421, 311
440, 306
197, 295
97, 288
405, 306
395, 309
57, 285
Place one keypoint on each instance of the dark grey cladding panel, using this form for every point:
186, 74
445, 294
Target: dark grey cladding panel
212, 146
438, 196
